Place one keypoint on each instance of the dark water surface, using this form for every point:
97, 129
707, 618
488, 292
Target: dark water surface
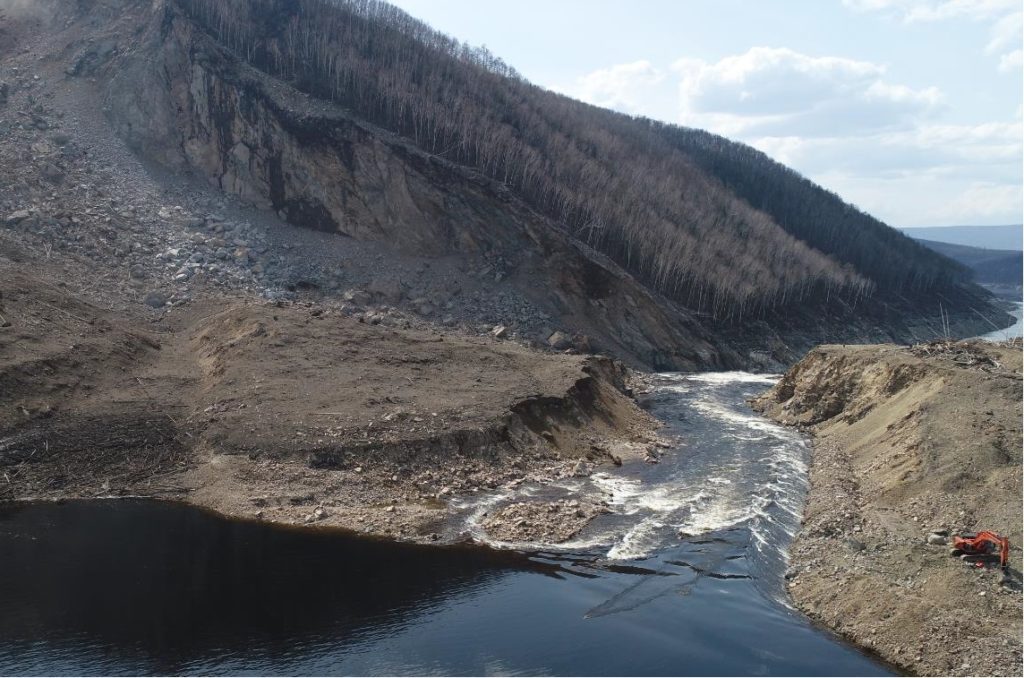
143, 587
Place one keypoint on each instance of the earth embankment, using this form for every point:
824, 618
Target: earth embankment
910, 441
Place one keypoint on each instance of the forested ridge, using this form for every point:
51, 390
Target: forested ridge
711, 223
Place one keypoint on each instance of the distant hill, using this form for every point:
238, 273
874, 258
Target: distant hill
996, 267
987, 237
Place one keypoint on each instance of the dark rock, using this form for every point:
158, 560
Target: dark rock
52, 173
386, 290
15, 218
581, 343
155, 299
357, 297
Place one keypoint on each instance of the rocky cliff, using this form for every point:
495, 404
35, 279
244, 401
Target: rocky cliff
199, 109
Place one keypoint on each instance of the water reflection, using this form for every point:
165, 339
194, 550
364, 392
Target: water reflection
165, 583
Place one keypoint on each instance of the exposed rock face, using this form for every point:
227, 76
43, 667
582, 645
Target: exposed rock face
195, 107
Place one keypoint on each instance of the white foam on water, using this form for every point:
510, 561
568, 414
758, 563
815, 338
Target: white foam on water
639, 541
724, 378
765, 491
714, 409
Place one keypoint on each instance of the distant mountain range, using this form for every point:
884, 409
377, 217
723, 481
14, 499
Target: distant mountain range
987, 237
990, 267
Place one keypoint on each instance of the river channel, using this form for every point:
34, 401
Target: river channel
683, 577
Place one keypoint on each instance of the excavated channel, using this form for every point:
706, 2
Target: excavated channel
682, 577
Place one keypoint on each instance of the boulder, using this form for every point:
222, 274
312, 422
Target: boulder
581, 343
559, 341
499, 332
357, 297
386, 290
15, 218
155, 299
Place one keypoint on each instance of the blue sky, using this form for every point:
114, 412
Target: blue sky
910, 109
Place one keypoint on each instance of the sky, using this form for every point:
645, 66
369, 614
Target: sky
909, 109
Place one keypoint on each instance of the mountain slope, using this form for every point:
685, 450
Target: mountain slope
619, 184
626, 236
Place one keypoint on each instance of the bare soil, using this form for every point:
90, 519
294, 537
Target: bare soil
910, 440
287, 412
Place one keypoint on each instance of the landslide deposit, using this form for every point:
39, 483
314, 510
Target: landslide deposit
910, 440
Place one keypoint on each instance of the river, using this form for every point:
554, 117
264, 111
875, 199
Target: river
684, 577
1013, 330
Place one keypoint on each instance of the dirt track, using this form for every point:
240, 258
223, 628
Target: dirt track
910, 440
288, 412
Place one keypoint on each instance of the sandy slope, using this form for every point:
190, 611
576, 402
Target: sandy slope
910, 440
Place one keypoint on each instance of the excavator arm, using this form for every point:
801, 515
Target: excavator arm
983, 543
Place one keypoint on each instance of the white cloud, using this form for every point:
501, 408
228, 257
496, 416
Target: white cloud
935, 10
778, 92
1004, 15
988, 200
933, 174
839, 121
622, 87
1012, 60
1006, 33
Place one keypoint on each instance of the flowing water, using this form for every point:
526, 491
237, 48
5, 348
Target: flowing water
684, 577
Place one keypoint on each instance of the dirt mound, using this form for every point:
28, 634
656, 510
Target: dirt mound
909, 441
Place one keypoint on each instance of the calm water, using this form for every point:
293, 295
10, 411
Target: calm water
1012, 331
683, 578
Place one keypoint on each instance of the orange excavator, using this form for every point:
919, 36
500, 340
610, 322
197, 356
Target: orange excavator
982, 547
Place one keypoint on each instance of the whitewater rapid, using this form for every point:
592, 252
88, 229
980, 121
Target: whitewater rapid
732, 470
